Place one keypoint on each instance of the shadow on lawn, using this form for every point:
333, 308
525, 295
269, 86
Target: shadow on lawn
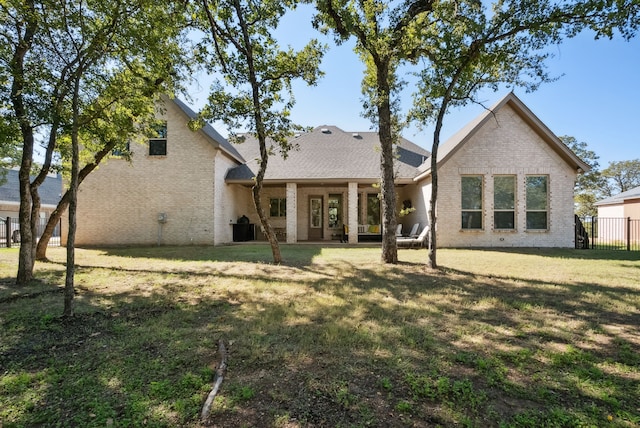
564, 253
255, 253
393, 347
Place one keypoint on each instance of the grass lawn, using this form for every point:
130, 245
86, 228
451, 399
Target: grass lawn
332, 338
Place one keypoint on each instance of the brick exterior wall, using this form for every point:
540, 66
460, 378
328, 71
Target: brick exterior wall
505, 145
119, 203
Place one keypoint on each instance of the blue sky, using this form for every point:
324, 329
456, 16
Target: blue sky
596, 98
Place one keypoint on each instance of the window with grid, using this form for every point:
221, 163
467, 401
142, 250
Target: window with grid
471, 202
278, 207
537, 188
504, 202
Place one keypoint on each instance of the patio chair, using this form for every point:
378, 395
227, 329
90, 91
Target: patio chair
399, 230
414, 231
421, 240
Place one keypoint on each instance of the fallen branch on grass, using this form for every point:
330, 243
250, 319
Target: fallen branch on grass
219, 376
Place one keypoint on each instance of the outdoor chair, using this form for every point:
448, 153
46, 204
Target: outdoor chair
419, 241
414, 231
345, 234
399, 230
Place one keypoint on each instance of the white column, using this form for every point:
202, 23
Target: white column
353, 213
292, 213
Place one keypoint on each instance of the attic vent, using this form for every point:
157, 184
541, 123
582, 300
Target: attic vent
296, 135
325, 131
355, 135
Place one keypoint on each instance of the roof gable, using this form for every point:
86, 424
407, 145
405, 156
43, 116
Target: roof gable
456, 141
212, 135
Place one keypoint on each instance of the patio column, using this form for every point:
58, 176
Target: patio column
292, 213
353, 213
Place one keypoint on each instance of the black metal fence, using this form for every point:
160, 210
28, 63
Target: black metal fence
609, 233
10, 232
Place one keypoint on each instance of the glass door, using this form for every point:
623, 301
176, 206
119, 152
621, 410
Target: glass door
315, 218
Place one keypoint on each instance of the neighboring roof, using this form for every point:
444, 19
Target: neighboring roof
620, 198
50, 190
218, 140
453, 144
328, 154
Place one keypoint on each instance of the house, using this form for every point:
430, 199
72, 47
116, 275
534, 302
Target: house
50, 192
172, 192
329, 178
505, 180
625, 204
619, 218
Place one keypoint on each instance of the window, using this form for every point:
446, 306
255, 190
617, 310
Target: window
278, 207
504, 201
335, 211
472, 202
537, 202
158, 144
316, 213
122, 152
373, 208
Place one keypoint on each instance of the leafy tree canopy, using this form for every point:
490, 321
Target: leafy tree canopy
621, 176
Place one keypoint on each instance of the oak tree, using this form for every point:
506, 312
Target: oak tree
589, 184
621, 176
63, 59
469, 46
385, 40
253, 89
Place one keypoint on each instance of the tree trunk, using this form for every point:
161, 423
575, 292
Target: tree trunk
432, 255
268, 230
69, 289
257, 191
25, 260
54, 219
261, 134
25, 257
387, 184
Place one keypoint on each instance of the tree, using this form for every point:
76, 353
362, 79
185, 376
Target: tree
621, 176
124, 112
590, 184
468, 48
256, 92
385, 38
18, 28
63, 57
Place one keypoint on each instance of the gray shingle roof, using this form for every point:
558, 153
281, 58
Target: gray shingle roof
327, 154
621, 197
50, 191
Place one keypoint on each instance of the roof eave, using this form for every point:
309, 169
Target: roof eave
531, 119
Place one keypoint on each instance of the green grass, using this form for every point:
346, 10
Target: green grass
504, 338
